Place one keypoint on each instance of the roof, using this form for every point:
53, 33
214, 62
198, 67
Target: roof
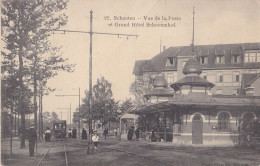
192, 81
160, 81
192, 66
187, 102
158, 62
247, 80
159, 92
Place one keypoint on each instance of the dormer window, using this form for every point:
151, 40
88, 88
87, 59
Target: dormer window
220, 59
252, 56
170, 61
236, 59
203, 60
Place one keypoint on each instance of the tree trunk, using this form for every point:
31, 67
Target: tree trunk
21, 98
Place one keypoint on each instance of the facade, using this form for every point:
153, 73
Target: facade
208, 99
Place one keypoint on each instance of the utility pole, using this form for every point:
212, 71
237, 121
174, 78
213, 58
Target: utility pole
91, 33
90, 84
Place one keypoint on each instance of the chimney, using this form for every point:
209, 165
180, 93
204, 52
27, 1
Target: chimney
164, 48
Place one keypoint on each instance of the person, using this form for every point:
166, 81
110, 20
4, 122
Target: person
115, 133
95, 140
137, 133
70, 133
84, 134
153, 137
32, 138
105, 133
130, 133
47, 134
74, 133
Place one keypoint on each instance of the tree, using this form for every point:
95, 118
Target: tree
104, 105
26, 28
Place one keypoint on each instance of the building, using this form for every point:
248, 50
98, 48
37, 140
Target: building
203, 99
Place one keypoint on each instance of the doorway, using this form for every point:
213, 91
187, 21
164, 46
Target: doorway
197, 129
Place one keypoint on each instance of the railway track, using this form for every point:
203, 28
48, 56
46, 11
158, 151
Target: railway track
56, 152
139, 158
134, 157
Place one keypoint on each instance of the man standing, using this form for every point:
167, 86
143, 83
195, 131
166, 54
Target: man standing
32, 138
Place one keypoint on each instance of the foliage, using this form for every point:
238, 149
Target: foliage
104, 106
28, 53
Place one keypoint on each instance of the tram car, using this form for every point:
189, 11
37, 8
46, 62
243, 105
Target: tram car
59, 128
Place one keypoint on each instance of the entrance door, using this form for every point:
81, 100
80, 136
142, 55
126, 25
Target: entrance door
197, 129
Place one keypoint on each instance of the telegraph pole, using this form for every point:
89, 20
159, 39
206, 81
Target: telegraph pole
91, 33
90, 83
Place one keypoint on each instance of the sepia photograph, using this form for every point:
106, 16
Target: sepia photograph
129, 83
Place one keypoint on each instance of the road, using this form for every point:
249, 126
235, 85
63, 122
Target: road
128, 153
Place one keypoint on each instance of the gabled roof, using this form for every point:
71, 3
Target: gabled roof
158, 62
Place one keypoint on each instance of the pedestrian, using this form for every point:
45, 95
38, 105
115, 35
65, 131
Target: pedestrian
74, 133
32, 138
84, 134
115, 131
153, 137
105, 133
95, 140
137, 133
70, 133
130, 133
47, 134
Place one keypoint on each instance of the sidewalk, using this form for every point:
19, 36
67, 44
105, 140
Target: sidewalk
21, 156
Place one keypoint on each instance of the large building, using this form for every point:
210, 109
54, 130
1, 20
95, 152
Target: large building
201, 99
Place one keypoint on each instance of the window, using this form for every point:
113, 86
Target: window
237, 78
170, 78
223, 121
170, 61
205, 77
220, 78
252, 56
203, 60
220, 59
235, 59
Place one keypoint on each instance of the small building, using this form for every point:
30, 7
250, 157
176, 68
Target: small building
188, 113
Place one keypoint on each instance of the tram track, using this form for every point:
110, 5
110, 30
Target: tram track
56, 152
134, 157
144, 160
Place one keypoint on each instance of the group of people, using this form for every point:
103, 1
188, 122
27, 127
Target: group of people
131, 132
73, 133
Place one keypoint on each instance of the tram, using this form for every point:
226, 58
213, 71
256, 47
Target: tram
59, 128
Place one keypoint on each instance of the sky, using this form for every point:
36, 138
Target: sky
216, 22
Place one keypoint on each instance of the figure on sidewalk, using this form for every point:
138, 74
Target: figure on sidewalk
95, 139
32, 138
105, 133
74, 133
130, 133
47, 134
153, 137
84, 134
137, 133
70, 133
115, 133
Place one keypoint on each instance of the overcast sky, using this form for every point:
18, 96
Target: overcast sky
216, 22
